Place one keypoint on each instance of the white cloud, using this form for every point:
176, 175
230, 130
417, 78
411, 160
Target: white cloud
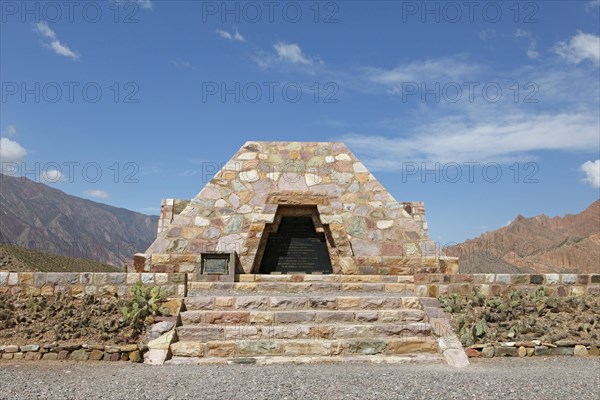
55, 44
236, 36
505, 138
182, 64
10, 130
52, 176
11, 151
449, 69
291, 52
287, 55
486, 34
583, 46
100, 194
592, 4
591, 169
531, 51
145, 4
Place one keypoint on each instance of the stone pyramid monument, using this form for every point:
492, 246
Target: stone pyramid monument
293, 207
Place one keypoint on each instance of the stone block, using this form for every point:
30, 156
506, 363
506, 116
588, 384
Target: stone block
26, 278
221, 349
79, 355
292, 348
13, 278
500, 351
251, 302
224, 317
561, 351
487, 352
407, 346
30, 347
580, 351
50, 357
291, 317
261, 317
322, 302
258, 348
287, 303
96, 355
366, 347
540, 350
187, 349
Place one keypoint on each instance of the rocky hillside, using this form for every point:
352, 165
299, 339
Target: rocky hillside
38, 217
540, 244
20, 259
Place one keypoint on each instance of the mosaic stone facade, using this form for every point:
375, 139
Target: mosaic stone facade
368, 232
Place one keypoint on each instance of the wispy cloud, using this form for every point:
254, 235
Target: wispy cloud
11, 151
563, 118
54, 44
287, 54
10, 130
592, 4
591, 169
532, 48
52, 176
503, 139
581, 47
99, 194
182, 64
447, 69
145, 4
235, 36
291, 52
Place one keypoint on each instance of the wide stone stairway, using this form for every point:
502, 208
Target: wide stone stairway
269, 319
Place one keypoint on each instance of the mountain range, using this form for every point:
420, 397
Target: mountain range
541, 244
38, 217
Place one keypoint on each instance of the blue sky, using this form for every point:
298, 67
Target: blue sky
154, 94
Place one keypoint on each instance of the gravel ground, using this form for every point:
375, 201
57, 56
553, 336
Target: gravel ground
508, 378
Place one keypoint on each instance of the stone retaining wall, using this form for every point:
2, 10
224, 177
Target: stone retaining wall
434, 285
534, 348
78, 284
50, 352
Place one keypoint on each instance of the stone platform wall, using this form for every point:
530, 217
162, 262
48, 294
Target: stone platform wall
175, 284
434, 285
79, 284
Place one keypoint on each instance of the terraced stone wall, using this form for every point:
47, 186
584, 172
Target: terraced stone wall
434, 285
78, 284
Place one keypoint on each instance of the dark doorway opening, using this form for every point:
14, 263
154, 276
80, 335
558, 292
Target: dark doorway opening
296, 247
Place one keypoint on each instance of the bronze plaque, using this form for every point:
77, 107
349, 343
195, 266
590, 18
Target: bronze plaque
215, 264
296, 248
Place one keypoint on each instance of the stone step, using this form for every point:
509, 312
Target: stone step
250, 317
299, 302
305, 347
409, 358
296, 278
312, 330
195, 288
